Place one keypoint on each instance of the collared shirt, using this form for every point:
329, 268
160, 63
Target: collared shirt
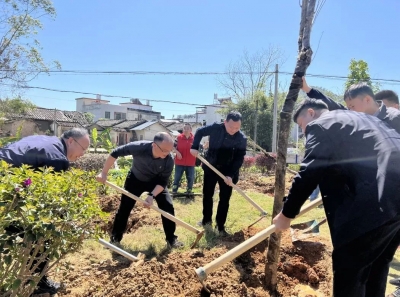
144, 166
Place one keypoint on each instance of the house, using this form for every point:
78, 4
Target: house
208, 113
178, 127
146, 131
102, 109
119, 129
43, 121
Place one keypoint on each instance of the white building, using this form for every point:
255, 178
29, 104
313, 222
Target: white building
101, 109
209, 113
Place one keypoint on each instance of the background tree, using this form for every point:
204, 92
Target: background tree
14, 106
359, 72
89, 117
20, 58
251, 73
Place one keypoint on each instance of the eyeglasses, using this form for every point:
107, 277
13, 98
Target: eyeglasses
160, 148
79, 144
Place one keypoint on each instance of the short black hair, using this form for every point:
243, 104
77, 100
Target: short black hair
75, 133
388, 95
358, 89
162, 136
234, 116
315, 104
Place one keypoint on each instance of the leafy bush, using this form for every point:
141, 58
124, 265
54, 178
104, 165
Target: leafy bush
118, 176
53, 213
265, 162
91, 162
248, 162
124, 162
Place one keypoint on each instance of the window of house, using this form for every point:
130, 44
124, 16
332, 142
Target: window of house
120, 116
140, 137
107, 115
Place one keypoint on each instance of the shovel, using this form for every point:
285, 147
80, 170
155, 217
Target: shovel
305, 230
263, 213
203, 272
165, 214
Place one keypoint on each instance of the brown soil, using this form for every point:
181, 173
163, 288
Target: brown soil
262, 184
304, 269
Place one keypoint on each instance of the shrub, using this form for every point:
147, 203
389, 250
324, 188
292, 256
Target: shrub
265, 162
53, 212
124, 162
91, 162
248, 162
118, 176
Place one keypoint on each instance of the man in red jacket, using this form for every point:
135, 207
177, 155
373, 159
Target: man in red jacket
184, 161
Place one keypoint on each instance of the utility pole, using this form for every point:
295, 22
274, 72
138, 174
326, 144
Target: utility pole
256, 122
275, 112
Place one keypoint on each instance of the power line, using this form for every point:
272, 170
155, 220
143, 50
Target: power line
112, 96
108, 72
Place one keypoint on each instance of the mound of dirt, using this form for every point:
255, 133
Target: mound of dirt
303, 266
262, 184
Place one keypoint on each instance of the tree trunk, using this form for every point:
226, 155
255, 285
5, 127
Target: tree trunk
303, 61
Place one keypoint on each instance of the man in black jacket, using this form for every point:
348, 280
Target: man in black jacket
354, 158
226, 151
46, 151
152, 166
360, 97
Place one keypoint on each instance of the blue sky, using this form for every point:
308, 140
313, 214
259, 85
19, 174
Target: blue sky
202, 36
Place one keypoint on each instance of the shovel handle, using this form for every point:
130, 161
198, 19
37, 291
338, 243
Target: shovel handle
263, 212
163, 213
202, 272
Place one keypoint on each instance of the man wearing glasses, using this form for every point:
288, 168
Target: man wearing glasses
46, 151
151, 168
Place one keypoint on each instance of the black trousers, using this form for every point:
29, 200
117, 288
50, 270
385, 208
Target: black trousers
225, 192
361, 267
137, 187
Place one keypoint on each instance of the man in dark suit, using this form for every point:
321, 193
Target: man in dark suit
354, 158
226, 151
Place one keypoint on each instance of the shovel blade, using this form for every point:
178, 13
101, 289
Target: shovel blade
298, 230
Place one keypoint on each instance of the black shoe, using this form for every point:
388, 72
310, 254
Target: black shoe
222, 232
175, 244
395, 282
46, 285
115, 242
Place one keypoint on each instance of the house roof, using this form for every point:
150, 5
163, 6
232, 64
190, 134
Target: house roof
108, 123
167, 123
129, 124
144, 125
46, 114
77, 116
118, 125
179, 126
85, 98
